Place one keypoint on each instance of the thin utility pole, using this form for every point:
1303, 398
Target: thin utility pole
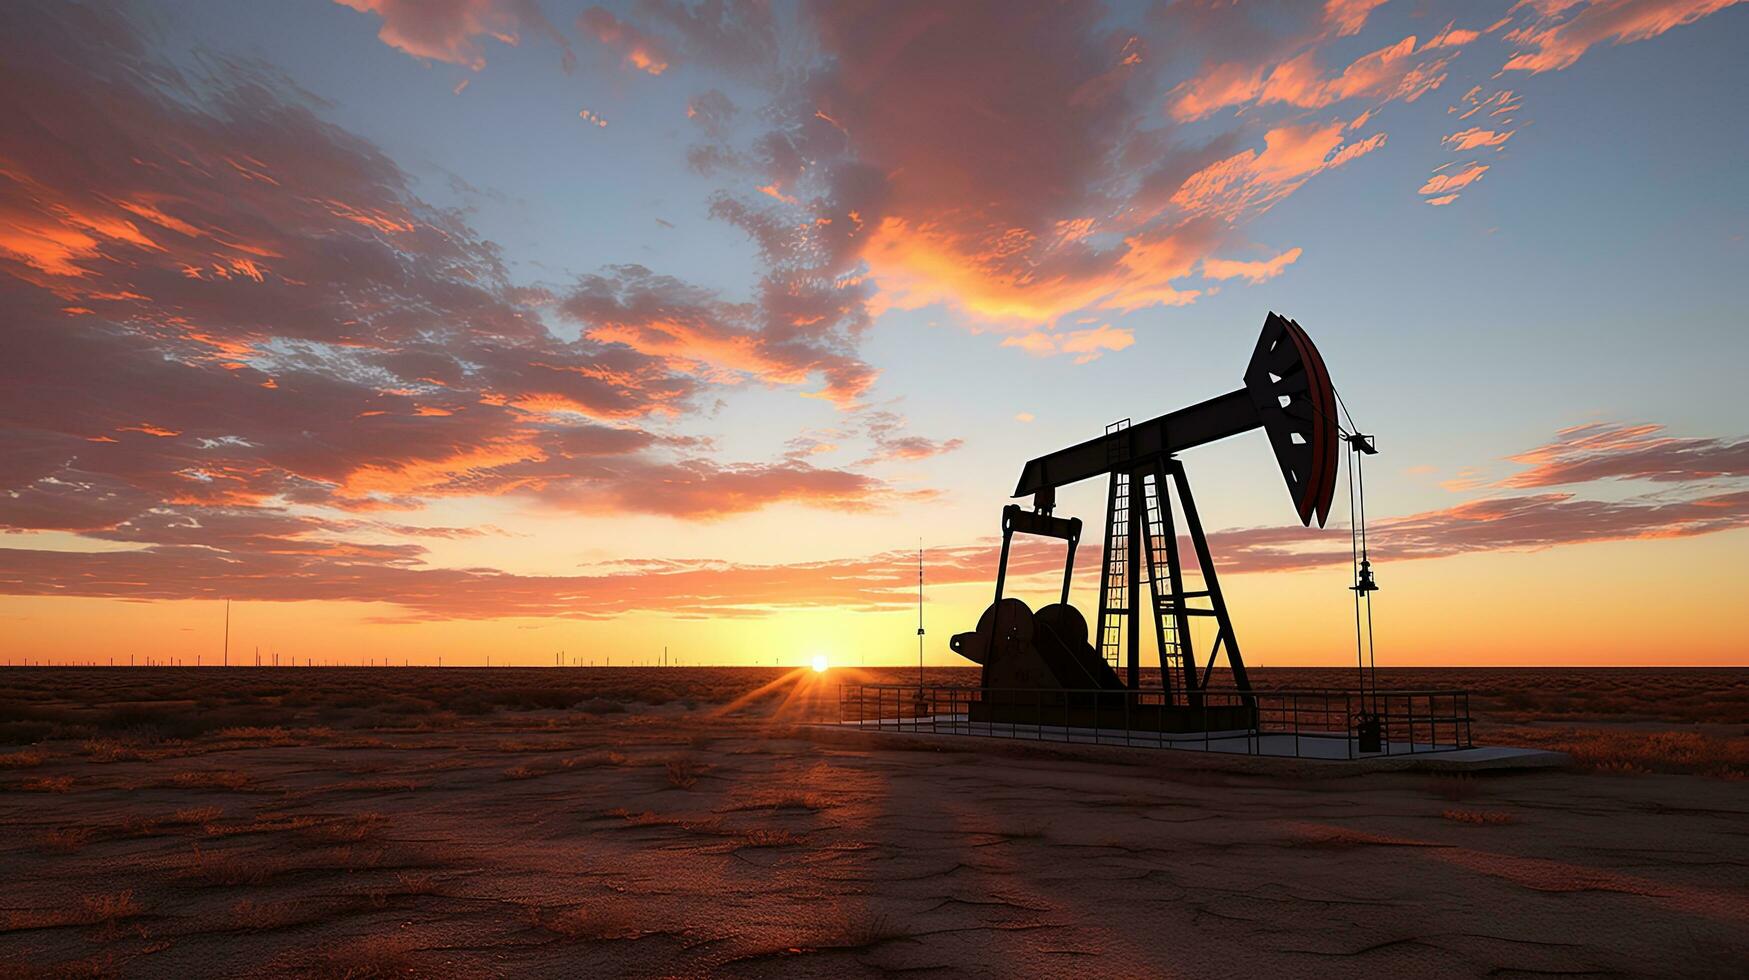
227, 632
919, 618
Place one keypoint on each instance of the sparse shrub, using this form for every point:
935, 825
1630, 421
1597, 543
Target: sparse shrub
520, 772
682, 773
370, 958
229, 868
110, 910
111, 750
65, 840
47, 784
384, 785
27, 759
770, 837
1484, 817
346, 830
226, 779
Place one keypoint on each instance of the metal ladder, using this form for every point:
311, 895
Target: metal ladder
1160, 583
1114, 591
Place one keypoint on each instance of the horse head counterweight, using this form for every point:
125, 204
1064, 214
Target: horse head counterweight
1287, 393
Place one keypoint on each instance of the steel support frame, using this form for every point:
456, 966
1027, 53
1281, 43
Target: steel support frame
1169, 481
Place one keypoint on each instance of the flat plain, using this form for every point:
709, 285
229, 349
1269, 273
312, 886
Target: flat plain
691, 821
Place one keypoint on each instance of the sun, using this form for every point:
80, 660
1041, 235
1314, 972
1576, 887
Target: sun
820, 663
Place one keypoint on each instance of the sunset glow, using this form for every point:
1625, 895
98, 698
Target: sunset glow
563, 332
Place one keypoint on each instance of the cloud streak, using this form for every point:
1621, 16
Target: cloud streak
257, 554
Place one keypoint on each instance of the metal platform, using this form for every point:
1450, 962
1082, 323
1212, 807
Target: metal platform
1292, 724
1227, 751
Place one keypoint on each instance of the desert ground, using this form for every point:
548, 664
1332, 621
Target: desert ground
694, 821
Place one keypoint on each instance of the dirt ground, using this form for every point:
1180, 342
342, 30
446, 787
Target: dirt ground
587, 823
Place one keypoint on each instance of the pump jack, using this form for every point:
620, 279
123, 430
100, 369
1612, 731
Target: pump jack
1028, 658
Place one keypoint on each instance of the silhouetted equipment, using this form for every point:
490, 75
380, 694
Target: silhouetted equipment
1287, 393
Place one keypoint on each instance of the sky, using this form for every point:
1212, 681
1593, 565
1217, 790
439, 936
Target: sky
535, 330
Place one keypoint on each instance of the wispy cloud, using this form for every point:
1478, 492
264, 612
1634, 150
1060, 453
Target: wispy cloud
258, 554
451, 31
1561, 31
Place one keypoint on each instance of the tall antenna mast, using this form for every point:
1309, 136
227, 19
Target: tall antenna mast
227, 632
920, 618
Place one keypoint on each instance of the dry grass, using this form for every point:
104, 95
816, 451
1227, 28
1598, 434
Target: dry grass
590, 923
769, 837
385, 785
250, 915
112, 750
787, 800
1491, 818
369, 958
405, 886
521, 772
47, 784
65, 840
346, 830
106, 909
593, 760
531, 745
1630, 752
708, 825
230, 868
110, 910
225, 779
682, 773
26, 759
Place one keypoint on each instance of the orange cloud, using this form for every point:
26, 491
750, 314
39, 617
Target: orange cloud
1447, 183
1255, 181
1396, 72
1085, 345
635, 48
1557, 41
149, 429
1608, 450
1475, 138
1259, 271
1349, 16
692, 332
449, 31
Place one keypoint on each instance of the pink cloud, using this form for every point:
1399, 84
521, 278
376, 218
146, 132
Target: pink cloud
278, 557
1397, 72
449, 30
1475, 138
1557, 38
1608, 450
1349, 16
634, 47
1256, 181
202, 371
1084, 345
1448, 183
1259, 271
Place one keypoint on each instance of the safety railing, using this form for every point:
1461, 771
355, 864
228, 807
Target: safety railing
1312, 723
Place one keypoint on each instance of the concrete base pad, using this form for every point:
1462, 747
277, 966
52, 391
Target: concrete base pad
1321, 754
